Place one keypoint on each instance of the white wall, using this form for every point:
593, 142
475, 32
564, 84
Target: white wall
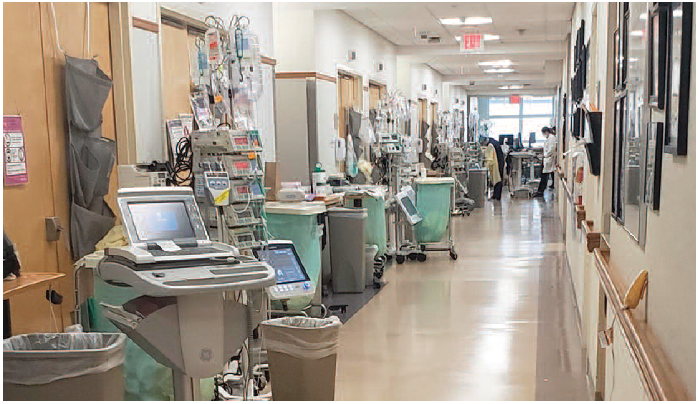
669, 254
336, 34
260, 15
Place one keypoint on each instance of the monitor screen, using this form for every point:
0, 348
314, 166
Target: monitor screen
408, 204
285, 263
241, 165
161, 220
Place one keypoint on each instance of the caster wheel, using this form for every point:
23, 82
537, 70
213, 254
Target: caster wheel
400, 259
412, 256
422, 257
453, 255
468, 214
389, 257
422, 248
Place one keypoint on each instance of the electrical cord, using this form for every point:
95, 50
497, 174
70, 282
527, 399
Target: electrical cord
181, 170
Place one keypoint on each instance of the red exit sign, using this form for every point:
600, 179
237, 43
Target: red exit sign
514, 99
472, 42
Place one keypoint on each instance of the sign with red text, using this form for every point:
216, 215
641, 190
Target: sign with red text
472, 43
15, 157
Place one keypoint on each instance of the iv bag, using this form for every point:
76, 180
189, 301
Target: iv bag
246, 77
213, 47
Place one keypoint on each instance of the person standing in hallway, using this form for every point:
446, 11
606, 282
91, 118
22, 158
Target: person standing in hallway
549, 156
495, 162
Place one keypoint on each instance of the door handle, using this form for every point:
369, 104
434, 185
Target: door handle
53, 228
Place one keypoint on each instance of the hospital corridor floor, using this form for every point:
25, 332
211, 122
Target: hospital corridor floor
497, 324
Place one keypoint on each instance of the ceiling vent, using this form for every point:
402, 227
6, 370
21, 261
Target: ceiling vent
429, 37
380, 67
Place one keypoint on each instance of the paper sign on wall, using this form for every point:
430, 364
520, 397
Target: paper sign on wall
15, 166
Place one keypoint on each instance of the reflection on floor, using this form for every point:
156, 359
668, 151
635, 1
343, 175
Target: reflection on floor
497, 324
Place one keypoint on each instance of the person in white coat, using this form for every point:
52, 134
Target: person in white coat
549, 156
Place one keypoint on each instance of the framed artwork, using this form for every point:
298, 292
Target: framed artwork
658, 56
654, 164
678, 77
617, 61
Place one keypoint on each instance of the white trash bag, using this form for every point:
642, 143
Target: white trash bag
302, 337
44, 358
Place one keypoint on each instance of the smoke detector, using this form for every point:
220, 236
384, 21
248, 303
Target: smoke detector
521, 31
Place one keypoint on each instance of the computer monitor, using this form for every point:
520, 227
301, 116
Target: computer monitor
532, 138
282, 256
158, 214
507, 139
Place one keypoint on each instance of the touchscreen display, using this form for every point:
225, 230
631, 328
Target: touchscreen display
408, 204
161, 220
285, 263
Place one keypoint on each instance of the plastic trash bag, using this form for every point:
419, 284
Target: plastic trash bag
44, 358
302, 337
434, 205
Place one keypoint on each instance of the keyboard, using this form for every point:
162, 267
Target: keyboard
187, 251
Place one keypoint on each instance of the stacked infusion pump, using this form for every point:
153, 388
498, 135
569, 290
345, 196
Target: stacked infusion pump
184, 318
228, 185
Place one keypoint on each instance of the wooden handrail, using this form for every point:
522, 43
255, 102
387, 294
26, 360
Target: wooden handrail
569, 194
592, 237
657, 377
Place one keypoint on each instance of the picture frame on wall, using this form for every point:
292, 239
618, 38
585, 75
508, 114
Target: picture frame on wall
678, 77
654, 164
658, 56
617, 61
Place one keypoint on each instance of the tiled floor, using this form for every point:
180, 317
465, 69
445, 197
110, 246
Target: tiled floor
480, 328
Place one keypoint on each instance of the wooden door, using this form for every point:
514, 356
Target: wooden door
26, 206
34, 88
434, 119
376, 93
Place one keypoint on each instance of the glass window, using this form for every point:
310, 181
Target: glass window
537, 105
504, 126
530, 125
499, 106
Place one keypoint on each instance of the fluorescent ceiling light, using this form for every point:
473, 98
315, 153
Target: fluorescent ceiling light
497, 63
637, 33
644, 16
677, 12
451, 21
499, 70
466, 21
458, 38
477, 20
512, 87
491, 37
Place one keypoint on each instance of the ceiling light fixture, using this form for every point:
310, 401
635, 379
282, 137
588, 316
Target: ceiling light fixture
478, 20
512, 87
491, 37
499, 70
497, 63
466, 21
458, 38
677, 12
637, 33
451, 21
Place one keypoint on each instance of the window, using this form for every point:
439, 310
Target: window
499, 106
529, 115
537, 105
504, 126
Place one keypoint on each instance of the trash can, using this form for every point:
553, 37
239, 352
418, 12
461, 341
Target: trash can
370, 252
434, 202
347, 240
477, 183
375, 229
60, 367
302, 354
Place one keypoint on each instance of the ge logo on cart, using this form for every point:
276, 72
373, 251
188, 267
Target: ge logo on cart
206, 354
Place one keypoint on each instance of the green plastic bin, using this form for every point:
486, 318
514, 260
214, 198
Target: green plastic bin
375, 227
298, 222
433, 197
